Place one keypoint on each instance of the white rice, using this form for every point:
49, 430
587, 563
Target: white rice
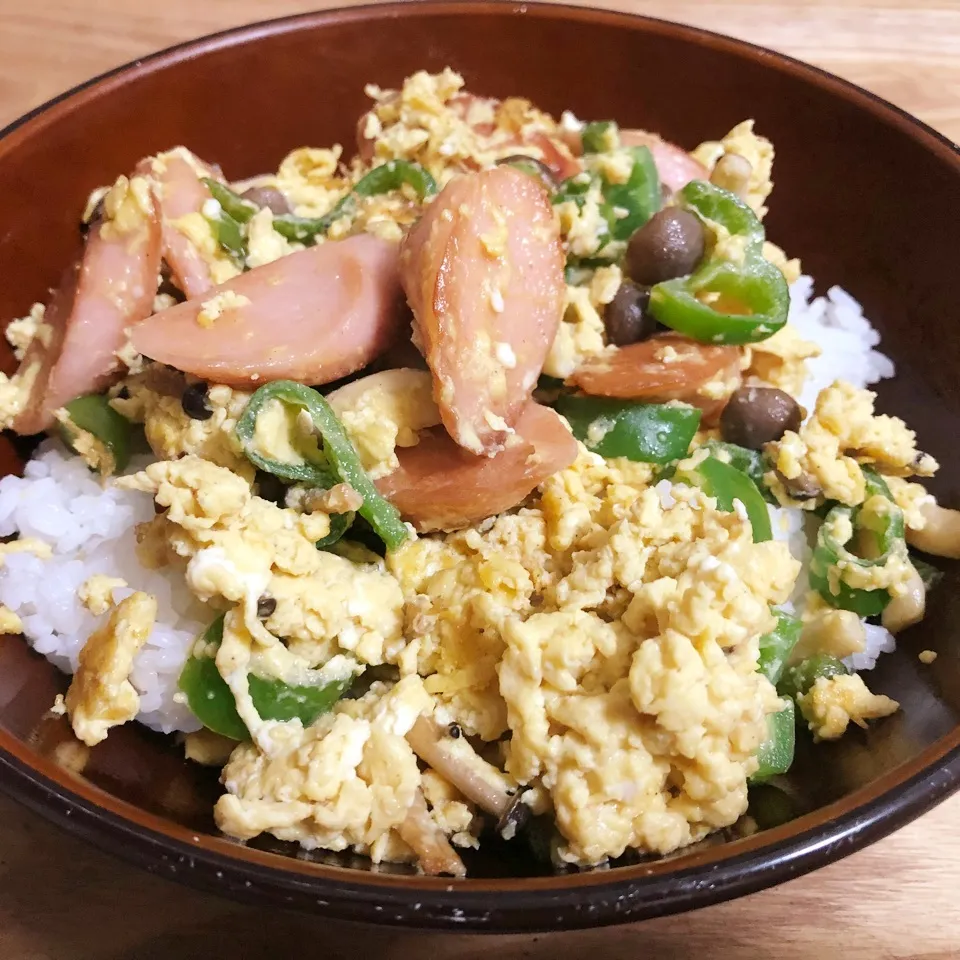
836, 322
91, 531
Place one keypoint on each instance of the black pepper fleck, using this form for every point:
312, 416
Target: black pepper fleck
194, 402
265, 607
271, 488
455, 731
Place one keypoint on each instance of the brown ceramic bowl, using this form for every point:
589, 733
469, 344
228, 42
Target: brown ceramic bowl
867, 196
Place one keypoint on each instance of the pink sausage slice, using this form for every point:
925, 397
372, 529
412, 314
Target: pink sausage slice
177, 192
440, 486
313, 316
112, 287
483, 273
675, 166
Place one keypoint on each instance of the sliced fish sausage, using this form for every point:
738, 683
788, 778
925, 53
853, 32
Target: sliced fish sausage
178, 191
313, 316
111, 288
666, 367
483, 273
441, 486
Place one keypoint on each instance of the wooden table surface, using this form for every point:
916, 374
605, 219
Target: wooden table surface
62, 900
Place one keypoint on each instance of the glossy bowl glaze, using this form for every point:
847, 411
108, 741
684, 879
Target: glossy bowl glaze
868, 198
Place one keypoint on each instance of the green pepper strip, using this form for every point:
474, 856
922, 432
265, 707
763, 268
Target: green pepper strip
929, 574
389, 176
382, 515
228, 223
755, 286
213, 704
647, 432
775, 755
797, 680
574, 189
727, 209
340, 523
311, 472
886, 530
640, 196
777, 645
94, 415
230, 202
726, 483
747, 461
596, 135
771, 807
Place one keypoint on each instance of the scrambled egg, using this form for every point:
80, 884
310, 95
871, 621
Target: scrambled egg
780, 360
101, 695
9, 621
843, 433
264, 244
385, 411
832, 703
346, 781
582, 334
602, 639
838, 633
96, 592
96, 454
225, 302
20, 333
241, 547
581, 623
153, 398
430, 122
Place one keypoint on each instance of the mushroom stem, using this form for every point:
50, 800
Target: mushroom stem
434, 853
476, 779
908, 608
941, 535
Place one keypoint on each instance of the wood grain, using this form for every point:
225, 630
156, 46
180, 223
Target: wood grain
61, 900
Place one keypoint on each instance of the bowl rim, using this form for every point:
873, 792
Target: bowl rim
570, 901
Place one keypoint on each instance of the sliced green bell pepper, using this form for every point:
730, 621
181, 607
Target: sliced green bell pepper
747, 461
624, 206
724, 301
230, 202
391, 175
599, 136
726, 209
647, 432
929, 574
340, 523
639, 198
213, 704
882, 529
797, 680
775, 755
726, 483
770, 806
342, 462
94, 415
777, 645
316, 473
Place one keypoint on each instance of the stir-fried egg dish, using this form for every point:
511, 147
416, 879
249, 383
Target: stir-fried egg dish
495, 478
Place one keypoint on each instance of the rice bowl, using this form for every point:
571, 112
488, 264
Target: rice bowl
774, 524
